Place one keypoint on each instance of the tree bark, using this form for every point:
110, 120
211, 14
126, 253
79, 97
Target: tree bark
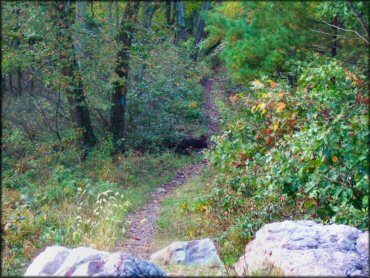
3, 83
124, 38
11, 88
75, 93
168, 13
200, 33
17, 45
81, 19
148, 20
19, 80
149, 13
181, 22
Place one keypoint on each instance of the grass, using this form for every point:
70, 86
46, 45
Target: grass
184, 217
176, 223
54, 199
179, 222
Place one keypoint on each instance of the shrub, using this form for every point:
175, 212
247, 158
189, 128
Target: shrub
291, 155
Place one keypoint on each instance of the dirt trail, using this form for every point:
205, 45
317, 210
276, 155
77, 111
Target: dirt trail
143, 220
210, 109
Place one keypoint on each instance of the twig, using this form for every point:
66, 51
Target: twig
56, 118
330, 34
347, 30
360, 18
340, 59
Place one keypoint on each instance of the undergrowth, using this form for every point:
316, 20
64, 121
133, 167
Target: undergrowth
53, 198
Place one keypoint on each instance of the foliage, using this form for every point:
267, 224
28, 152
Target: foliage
293, 106
255, 35
168, 89
74, 204
260, 38
300, 154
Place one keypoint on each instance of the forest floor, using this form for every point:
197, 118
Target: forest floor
143, 221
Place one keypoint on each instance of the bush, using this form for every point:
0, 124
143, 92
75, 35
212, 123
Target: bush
166, 93
292, 155
74, 203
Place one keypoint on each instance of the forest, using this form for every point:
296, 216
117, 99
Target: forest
262, 105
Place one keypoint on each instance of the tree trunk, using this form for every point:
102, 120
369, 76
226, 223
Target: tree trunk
292, 79
17, 45
124, 39
110, 13
192, 21
11, 88
81, 19
168, 12
3, 83
19, 80
75, 94
181, 22
149, 13
200, 33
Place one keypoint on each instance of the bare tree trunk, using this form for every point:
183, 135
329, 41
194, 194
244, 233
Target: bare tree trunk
81, 19
181, 22
199, 33
32, 83
168, 12
17, 45
75, 94
149, 13
124, 38
3, 83
110, 14
92, 9
117, 14
56, 118
19, 80
11, 88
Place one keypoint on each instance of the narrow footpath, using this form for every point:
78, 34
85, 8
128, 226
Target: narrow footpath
143, 220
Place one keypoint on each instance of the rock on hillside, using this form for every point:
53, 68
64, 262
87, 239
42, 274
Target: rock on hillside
197, 257
306, 248
84, 261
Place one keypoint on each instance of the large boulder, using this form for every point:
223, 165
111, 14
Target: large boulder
190, 257
306, 248
84, 261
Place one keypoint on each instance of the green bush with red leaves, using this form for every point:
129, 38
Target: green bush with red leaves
292, 154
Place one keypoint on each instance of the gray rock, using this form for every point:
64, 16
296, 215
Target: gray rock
196, 253
161, 190
306, 248
85, 261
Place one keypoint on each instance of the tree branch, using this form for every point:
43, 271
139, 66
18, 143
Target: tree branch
347, 30
321, 32
360, 18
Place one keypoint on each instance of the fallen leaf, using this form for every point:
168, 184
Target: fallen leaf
280, 107
143, 221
